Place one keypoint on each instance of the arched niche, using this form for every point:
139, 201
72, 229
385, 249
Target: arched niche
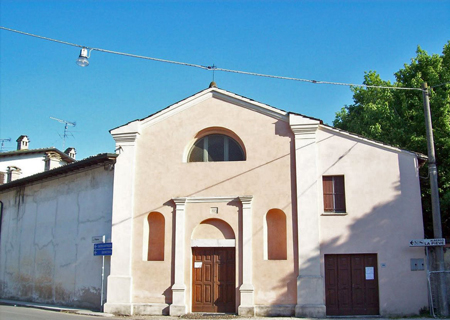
275, 242
213, 233
154, 237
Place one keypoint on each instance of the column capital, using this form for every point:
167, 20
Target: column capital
180, 202
304, 130
246, 201
128, 138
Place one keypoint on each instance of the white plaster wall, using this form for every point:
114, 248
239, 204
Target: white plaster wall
383, 214
46, 250
29, 164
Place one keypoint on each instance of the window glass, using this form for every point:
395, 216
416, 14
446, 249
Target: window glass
197, 152
216, 147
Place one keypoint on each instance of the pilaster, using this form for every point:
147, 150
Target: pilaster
310, 282
247, 290
119, 290
178, 306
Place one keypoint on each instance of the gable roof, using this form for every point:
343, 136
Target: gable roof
422, 158
14, 153
212, 92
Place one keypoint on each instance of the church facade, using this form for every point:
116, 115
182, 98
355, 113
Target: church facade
225, 204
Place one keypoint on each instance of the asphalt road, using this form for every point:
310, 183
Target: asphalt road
10, 312
22, 313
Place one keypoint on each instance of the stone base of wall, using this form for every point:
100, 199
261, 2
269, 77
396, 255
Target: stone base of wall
246, 311
118, 308
310, 311
154, 309
151, 309
282, 310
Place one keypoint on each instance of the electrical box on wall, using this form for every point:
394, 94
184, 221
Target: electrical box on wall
417, 264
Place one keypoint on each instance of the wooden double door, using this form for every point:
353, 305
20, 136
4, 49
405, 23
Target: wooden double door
213, 280
351, 284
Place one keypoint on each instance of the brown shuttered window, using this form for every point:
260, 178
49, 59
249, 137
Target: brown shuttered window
333, 194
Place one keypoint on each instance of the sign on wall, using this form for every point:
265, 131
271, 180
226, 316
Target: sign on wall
103, 249
427, 242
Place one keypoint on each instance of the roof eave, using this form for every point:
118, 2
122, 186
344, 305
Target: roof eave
78, 165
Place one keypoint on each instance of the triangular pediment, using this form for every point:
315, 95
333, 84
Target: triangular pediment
210, 93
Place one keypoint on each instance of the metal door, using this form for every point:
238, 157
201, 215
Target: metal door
351, 284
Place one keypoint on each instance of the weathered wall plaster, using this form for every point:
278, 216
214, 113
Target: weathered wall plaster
46, 250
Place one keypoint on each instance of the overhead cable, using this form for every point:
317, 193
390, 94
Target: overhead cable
212, 68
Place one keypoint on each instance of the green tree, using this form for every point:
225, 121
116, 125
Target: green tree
396, 117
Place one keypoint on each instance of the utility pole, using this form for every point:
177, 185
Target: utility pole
435, 207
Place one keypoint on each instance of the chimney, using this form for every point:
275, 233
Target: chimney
52, 160
13, 173
22, 143
71, 152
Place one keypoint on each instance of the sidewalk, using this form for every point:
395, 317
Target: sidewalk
54, 308
190, 316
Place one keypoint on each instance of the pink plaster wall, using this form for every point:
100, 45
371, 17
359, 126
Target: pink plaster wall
382, 197
163, 174
383, 215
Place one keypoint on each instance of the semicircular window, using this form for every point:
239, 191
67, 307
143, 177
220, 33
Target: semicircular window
216, 147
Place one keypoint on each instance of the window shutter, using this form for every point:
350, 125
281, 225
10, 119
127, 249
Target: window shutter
339, 194
328, 194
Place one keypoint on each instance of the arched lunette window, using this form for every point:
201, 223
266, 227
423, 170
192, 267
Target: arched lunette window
216, 147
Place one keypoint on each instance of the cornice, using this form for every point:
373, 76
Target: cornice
126, 138
304, 129
251, 105
213, 199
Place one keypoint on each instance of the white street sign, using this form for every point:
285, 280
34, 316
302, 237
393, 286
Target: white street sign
427, 242
97, 239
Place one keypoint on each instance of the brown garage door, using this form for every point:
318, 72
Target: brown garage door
213, 280
351, 284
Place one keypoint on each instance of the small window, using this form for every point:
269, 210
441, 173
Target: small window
216, 147
334, 194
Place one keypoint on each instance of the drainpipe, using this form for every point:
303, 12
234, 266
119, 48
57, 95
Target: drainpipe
1, 217
1, 220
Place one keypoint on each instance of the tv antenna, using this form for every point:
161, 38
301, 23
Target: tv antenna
2, 147
66, 126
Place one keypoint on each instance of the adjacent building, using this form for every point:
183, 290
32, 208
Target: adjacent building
24, 161
47, 223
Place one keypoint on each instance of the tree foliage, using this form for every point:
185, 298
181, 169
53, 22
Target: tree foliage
396, 117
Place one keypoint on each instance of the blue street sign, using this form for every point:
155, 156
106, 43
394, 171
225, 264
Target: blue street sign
103, 249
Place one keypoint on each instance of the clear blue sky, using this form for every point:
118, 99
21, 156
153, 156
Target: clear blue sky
320, 40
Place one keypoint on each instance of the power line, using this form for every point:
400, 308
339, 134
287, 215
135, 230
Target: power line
440, 85
211, 68
41, 37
